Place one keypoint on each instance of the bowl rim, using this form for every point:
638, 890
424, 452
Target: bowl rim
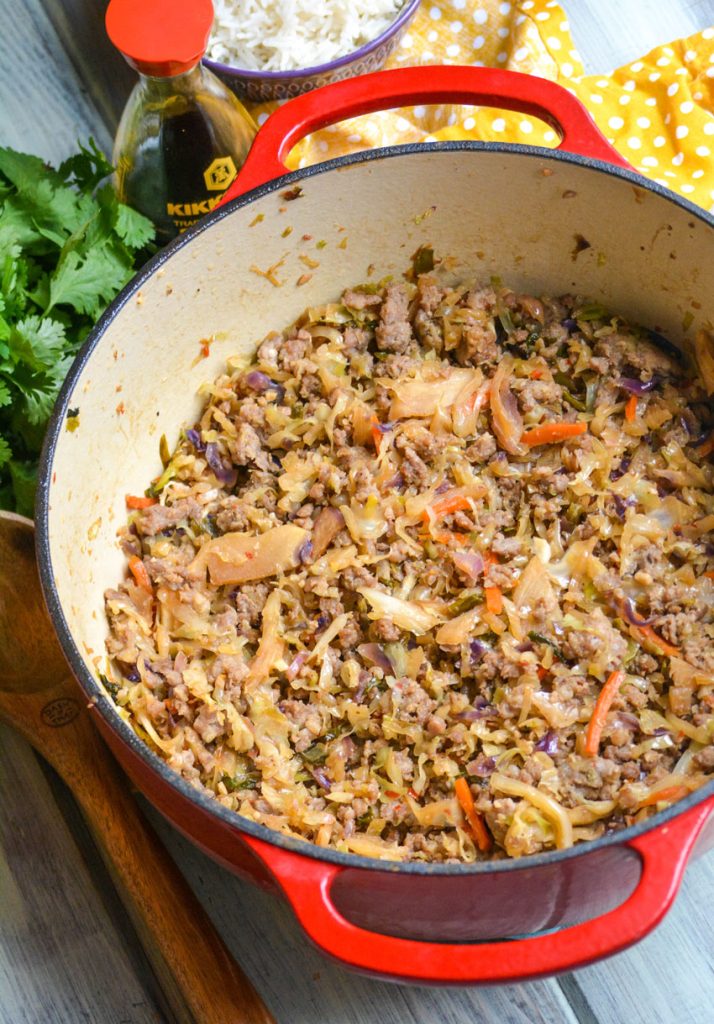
407, 12
92, 688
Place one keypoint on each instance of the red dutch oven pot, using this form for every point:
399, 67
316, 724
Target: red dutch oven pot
502, 209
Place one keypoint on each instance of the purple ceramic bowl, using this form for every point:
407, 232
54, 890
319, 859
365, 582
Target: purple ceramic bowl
263, 86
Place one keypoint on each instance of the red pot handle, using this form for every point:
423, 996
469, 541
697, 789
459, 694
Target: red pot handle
664, 852
406, 87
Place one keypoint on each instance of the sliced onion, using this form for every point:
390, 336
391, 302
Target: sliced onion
321, 779
480, 709
482, 766
470, 563
242, 557
630, 612
375, 655
507, 420
328, 523
305, 552
296, 664
638, 387
626, 720
459, 629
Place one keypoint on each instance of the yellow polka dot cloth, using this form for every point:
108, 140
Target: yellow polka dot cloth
658, 111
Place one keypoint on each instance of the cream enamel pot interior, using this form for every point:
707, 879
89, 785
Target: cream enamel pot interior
492, 209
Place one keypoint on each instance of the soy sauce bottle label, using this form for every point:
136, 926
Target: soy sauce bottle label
218, 176
183, 136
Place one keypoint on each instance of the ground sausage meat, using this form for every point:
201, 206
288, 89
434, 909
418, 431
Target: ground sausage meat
438, 544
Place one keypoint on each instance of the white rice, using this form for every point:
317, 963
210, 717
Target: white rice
282, 35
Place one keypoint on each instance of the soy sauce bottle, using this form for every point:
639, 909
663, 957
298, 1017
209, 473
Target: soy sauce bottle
183, 135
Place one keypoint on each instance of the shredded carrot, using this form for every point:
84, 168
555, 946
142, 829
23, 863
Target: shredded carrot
376, 432
542, 672
631, 408
551, 433
133, 501
475, 820
536, 374
494, 600
707, 448
492, 594
602, 706
447, 505
670, 794
649, 634
709, 575
141, 576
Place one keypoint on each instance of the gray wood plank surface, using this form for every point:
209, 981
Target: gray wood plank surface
107, 77
669, 977
62, 958
44, 105
609, 33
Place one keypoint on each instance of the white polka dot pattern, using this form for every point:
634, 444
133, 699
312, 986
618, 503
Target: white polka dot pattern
657, 111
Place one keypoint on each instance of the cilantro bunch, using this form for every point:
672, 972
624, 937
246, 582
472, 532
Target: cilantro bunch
67, 246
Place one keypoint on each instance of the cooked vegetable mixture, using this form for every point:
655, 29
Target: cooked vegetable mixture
432, 578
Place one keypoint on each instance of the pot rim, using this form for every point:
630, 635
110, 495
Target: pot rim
93, 689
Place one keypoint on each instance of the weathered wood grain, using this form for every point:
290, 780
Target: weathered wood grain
44, 107
79, 25
608, 34
62, 960
201, 982
669, 977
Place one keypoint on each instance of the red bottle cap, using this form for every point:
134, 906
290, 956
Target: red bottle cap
160, 37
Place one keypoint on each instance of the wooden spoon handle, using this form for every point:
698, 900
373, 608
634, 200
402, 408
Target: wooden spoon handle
194, 968
38, 696
201, 981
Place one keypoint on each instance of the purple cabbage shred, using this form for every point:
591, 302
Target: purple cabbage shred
321, 779
226, 474
638, 387
196, 440
476, 651
548, 743
260, 382
305, 552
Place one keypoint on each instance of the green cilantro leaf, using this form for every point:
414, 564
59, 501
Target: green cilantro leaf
67, 246
86, 168
134, 229
89, 282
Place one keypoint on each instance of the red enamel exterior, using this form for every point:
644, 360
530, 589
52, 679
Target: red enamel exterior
446, 926
664, 853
